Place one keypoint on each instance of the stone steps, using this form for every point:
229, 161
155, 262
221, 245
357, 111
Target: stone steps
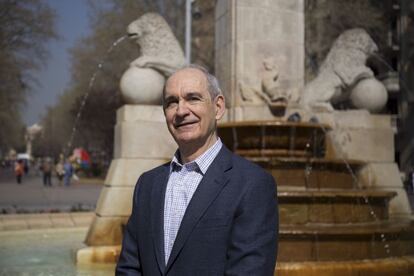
270, 138
312, 172
401, 266
332, 206
344, 242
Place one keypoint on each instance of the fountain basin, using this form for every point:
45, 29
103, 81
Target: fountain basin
311, 172
332, 206
344, 242
274, 138
401, 266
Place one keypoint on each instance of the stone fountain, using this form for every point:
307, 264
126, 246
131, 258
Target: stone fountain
331, 221
343, 209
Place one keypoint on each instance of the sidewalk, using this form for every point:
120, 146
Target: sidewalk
30, 205
32, 197
41, 221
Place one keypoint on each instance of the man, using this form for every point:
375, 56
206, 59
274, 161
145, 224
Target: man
208, 211
47, 172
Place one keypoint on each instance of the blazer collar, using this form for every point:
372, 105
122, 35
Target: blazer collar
210, 186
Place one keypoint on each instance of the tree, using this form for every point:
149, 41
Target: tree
25, 27
90, 107
86, 112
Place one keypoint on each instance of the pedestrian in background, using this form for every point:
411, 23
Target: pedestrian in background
47, 173
68, 168
60, 171
18, 171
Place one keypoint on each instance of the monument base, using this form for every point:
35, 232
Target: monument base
354, 135
142, 142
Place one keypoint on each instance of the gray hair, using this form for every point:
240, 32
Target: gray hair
213, 86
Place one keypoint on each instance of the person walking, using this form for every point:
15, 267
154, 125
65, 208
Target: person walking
47, 173
19, 171
68, 168
60, 171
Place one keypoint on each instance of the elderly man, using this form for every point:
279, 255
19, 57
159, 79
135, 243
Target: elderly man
208, 211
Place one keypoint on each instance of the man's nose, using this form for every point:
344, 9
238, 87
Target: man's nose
182, 108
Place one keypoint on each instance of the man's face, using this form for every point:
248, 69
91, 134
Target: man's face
190, 112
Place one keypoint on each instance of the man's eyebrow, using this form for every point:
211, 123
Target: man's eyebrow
170, 97
192, 94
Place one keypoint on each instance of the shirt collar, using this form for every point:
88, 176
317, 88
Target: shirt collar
202, 162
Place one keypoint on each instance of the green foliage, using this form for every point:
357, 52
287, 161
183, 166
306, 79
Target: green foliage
109, 19
25, 28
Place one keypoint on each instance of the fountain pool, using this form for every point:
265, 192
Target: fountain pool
46, 252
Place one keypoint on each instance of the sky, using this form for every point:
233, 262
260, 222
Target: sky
71, 24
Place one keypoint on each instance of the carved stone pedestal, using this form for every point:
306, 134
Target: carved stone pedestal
142, 142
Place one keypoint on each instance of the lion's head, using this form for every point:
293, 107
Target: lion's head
147, 24
356, 39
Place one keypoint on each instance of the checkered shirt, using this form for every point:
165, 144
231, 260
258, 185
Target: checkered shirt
182, 183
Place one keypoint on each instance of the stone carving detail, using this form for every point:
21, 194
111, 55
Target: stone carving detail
343, 67
270, 86
161, 55
369, 94
272, 89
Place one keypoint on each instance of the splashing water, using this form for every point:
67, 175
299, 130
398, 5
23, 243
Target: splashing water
86, 95
358, 185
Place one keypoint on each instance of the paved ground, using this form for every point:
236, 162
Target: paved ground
32, 197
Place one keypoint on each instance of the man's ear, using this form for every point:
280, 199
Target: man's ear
220, 106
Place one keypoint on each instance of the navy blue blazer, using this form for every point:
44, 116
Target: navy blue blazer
230, 226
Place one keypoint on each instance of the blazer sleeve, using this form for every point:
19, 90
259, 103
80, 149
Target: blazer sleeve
253, 240
129, 259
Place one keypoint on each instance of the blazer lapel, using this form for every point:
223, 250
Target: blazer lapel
210, 186
157, 215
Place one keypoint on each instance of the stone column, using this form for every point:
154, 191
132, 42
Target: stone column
142, 142
247, 32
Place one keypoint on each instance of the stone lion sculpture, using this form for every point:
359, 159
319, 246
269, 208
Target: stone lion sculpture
343, 67
143, 81
159, 48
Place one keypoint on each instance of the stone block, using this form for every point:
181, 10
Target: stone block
246, 25
384, 175
115, 201
143, 140
291, 5
82, 219
106, 231
134, 113
37, 222
360, 119
14, 224
62, 220
399, 205
125, 172
376, 145
252, 113
293, 213
249, 3
98, 254
292, 250
222, 7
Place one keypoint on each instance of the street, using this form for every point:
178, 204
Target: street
31, 196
